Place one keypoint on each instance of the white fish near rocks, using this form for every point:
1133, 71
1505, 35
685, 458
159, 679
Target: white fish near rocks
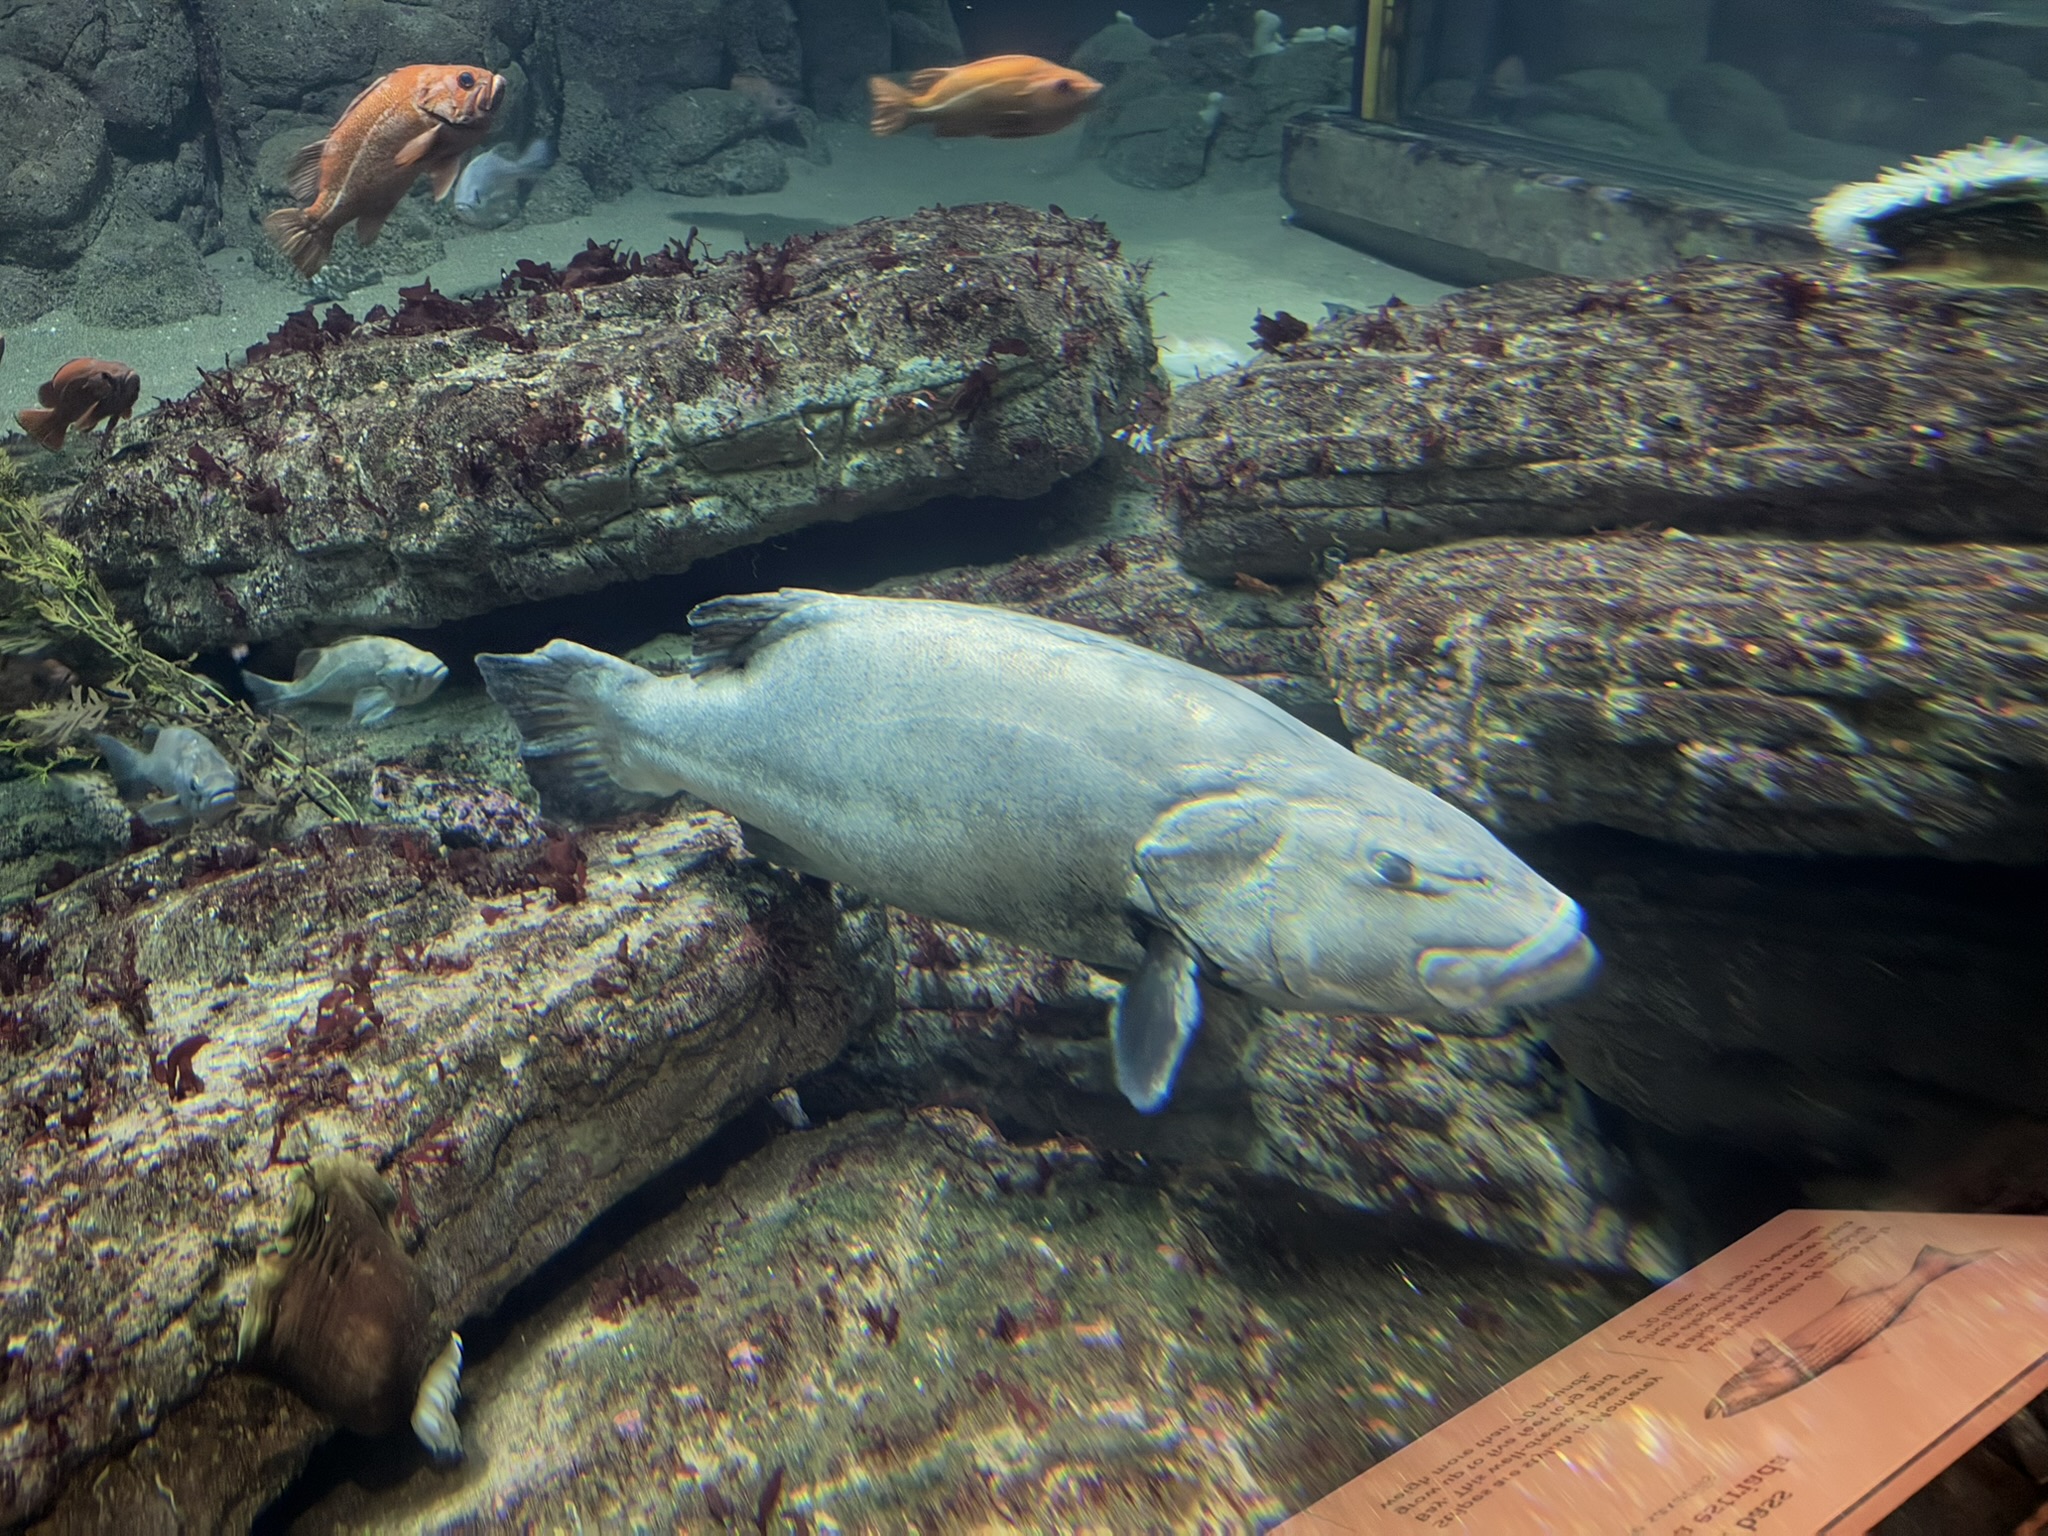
1066, 790
488, 191
181, 779
1188, 358
372, 674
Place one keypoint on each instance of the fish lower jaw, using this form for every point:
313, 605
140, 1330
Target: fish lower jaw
1554, 962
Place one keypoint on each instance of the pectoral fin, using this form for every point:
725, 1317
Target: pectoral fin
1155, 1022
418, 147
1204, 867
162, 813
373, 706
442, 177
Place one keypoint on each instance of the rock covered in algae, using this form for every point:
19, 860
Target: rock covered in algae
1715, 398
515, 1036
903, 1322
1131, 585
1470, 1126
462, 456
1745, 694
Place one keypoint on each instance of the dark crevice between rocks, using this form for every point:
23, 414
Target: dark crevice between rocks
384, 1463
838, 557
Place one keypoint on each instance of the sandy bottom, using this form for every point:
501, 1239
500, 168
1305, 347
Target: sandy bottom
1218, 254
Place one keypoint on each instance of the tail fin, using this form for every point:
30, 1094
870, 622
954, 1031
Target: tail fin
536, 157
129, 767
44, 427
304, 243
1935, 1262
264, 692
892, 106
564, 700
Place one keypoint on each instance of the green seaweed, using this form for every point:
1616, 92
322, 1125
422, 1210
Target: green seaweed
49, 595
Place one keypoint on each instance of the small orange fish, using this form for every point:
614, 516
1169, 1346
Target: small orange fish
1011, 96
84, 392
417, 121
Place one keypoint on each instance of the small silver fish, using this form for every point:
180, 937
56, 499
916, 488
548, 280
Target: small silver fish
789, 1109
372, 674
487, 193
192, 782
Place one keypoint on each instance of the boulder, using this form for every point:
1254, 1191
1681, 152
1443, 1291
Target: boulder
1158, 142
143, 272
1743, 694
1712, 397
457, 458
1660, 38
54, 167
1469, 1126
590, 140
1730, 114
1130, 585
844, 42
517, 1037
689, 128
906, 1322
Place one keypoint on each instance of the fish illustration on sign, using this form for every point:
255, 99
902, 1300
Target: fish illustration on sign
83, 393
372, 674
1779, 1365
1063, 789
1011, 96
417, 121
182, 778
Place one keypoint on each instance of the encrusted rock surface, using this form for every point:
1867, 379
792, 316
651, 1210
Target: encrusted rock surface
448, 461
1858, 1014
1477, 1131
518, 1036
1131, 585
903, 1322
1715, 398
1744, 694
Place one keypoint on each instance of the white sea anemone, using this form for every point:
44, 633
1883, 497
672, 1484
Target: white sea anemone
1994, 171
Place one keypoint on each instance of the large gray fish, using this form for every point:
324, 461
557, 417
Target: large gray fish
1069, 791
372, 674
190, 780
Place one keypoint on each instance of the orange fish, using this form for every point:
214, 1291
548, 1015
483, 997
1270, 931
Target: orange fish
1778, 1365
1011, 96
85, 392
420, 120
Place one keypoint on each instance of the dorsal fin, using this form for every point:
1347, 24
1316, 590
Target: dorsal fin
727, 631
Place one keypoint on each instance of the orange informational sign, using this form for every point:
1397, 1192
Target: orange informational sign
1810, 1378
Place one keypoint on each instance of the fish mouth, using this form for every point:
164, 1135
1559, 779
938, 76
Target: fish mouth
1554, 961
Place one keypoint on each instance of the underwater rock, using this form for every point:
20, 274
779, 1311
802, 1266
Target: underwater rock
459, 457
141, 272
1742, 694
1861, 1015
1132, 586
637, 55
905, 1322
1712, 397
1158, 142
1661, 38
54, 167
51, 824
673, 142
1468, 1126
1730, 114
516, 1037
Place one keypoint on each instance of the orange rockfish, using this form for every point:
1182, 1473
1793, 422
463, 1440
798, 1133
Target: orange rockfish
420, 120
1012, 96
1779, 1365
83, 393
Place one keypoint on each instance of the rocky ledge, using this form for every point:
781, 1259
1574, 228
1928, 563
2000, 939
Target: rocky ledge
1753, 695
1714, 398
517, 1037
618, 419
904, 1322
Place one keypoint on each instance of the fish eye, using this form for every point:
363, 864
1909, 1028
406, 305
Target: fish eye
1392, 869
1063, 85
465, 79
